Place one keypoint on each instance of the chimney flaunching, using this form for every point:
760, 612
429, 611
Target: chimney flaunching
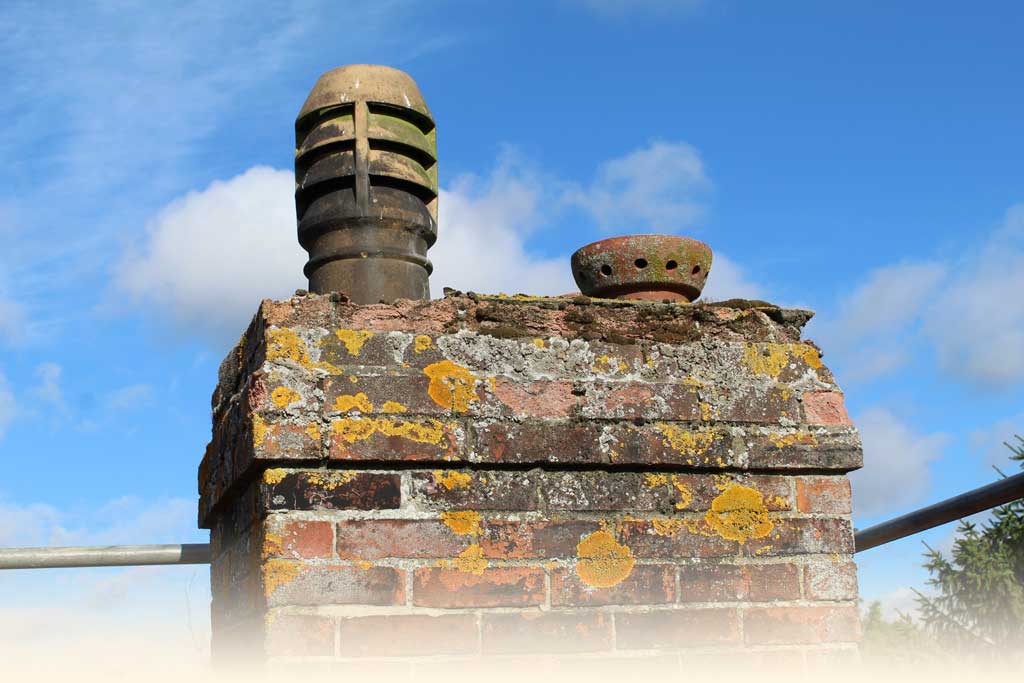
366, 185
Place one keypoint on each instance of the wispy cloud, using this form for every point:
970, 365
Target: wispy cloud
8, 405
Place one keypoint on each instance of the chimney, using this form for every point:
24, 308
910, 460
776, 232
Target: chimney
606, 481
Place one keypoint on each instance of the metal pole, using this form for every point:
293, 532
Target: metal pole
957, 507
104, 556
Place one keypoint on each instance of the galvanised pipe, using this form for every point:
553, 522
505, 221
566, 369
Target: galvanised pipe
980, 499
104, 556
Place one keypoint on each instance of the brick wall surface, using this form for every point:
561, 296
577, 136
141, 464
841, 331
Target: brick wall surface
508, 476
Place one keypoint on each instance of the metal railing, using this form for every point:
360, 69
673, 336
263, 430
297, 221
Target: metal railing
943, 512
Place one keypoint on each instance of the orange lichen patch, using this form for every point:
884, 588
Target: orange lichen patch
353, 339
666, 526
278, 572
685, 441
313, 430
259, 431
739, 514
353, 379
539, 343
463, 522
608, 364
705, 412
330, 480
393, 407
274, 475
365, 565
421, 343
352, 429
783, 440
471, 561
283, 396
771, 359
685, 494
655, 480
284, 343
359, 402
452, 480
451, 386
271, 545
602, 561
809, 354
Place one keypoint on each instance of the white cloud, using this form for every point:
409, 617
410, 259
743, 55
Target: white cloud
729, 280
12, 321
49, 390
660, 187
211, 255
8, 405
131, 397
895, 474
990, 443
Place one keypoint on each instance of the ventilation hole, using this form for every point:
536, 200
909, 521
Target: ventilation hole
640, 263
671, 265
606, 270
696, 269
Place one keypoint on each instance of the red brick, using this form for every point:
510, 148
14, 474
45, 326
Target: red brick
753, 405
645, 585
395, 437
825, 408
546, 632
519, 540
800, 625
537, 441
290, 583
476, 490
640, 400
494, 587
291, 635
537, 398
803, 536
726, 582
331, 490
828, 495
373, 392
379, 538
669, 443
827, 580
676, 628
409, 635
299, 539
838, 449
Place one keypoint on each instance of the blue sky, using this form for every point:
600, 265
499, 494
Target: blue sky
860, 159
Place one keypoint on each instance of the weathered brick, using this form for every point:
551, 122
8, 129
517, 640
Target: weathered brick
537, 398
409, 635
803, 536
395, 437
800, 625
290, 635
631, 400
645, 585
298, 539
755, 404
836, 449
476, 490
374, 539
291, 583
728, 582
380, 394
491, 587
830, 580
676, 628
330, 489
524, 540
546, 632
670, 443
825, 408
672, 538
828, 495
537, 441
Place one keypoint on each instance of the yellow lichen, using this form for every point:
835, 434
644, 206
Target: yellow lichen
809, 354
692, 382
353, 339
602, 562
783, 440
330, 480
277, 573
313, 431
608, 364
352, 429
705, 412
365, 565
451, 386
684, 441
359, 402
284, 343
463, 522
274, 475
471, 560
539, 343
421, 343
353, 379
259, 431
685, 494
739, 514
771, 359
271, 545
283, 396
665, 526
654, 480
430, 431
452, 480
393, 407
